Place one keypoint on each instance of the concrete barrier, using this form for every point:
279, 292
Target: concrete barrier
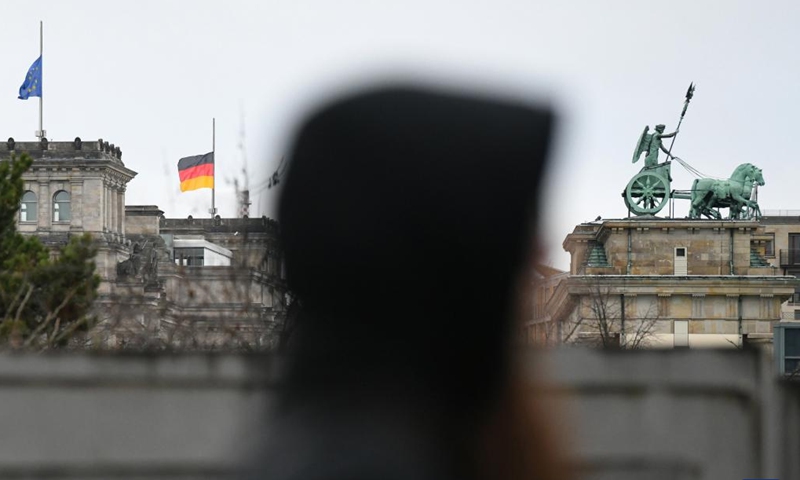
630, 415
128, 416
679, 414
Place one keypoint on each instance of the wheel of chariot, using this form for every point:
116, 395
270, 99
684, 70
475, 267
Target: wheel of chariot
646, 193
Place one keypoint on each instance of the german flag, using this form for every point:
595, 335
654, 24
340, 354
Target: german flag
196, 172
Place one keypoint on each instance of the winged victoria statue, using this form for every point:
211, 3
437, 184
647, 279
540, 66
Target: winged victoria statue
647, 192
651, 143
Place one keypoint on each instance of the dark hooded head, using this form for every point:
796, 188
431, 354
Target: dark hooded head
406, 220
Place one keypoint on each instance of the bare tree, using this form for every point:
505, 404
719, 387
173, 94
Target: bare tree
605, 317
158, 303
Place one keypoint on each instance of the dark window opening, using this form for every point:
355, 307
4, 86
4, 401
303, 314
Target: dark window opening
190, 257
769, 247
791, 350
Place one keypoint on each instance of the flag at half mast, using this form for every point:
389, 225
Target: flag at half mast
32, 86
196, 172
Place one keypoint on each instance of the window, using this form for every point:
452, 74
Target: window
190, 257
27, 210
61, 207
787, 349
769, 247
681, 252
794, 250
791, 350
795, 299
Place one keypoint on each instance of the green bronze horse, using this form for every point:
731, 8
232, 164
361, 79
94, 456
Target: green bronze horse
734, 193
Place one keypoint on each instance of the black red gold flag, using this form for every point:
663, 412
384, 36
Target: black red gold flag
196, 172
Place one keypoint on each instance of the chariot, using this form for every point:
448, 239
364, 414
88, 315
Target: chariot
649, 191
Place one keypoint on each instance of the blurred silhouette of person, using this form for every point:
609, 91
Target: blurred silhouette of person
406, 220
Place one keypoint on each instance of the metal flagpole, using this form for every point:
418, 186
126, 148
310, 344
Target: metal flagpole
41, 133
213, 165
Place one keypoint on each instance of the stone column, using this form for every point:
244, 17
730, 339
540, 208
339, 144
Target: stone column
732, 306
106, 207
76, 199
43, 197
102, 206
92, 204
121, 209
112, 202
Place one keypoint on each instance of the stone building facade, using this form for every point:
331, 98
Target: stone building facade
74, 188
651, 282
780, 246
543, 285
195, 283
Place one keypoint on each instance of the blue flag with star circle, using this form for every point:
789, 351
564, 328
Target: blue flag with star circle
32, 86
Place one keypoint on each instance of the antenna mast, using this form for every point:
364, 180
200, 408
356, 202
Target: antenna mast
244, 195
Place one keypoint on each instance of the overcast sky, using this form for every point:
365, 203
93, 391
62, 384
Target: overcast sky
150, 75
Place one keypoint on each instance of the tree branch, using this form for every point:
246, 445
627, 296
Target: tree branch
51, 316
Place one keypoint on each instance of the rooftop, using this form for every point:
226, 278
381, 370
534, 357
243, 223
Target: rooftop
217, 225
76, 149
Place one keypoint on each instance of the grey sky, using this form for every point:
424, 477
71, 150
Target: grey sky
149, 76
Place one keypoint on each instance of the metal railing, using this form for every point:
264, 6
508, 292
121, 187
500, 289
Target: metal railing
781, 213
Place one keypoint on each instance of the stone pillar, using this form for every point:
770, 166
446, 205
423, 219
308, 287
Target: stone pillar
92, 205
44, 218
732, 306
106, 207
115, 207
76, 199
698, 307
741, 248
110, 206
121, 209
102, 206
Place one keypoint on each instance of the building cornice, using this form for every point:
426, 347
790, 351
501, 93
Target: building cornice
780, 286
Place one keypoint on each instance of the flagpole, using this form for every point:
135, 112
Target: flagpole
213, 165
41, 132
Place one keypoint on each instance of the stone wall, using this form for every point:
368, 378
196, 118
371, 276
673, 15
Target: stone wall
647, 246
142, 219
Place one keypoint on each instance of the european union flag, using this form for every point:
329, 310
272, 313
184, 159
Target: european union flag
32, 86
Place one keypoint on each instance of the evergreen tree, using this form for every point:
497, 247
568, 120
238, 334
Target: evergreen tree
44, 298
